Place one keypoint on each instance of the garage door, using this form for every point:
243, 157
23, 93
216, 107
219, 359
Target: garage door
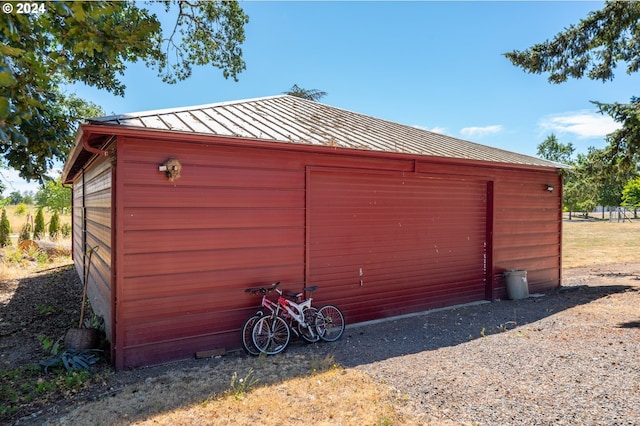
384, 244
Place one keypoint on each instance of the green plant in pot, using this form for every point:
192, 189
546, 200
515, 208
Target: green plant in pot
83, 337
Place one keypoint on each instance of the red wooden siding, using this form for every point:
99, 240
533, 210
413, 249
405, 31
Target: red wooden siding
527, 233
189, 248
92, 229
426, 232
388, 244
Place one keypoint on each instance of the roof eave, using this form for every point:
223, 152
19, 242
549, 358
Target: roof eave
83, 152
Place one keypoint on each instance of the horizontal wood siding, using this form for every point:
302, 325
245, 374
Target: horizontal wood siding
244, 216
234, 219
527, 233
92, 230
388, 244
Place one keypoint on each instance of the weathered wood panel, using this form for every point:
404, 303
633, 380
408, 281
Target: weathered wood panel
92, 231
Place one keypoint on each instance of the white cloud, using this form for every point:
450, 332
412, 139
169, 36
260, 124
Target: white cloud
436, 129
584, 124
481, 131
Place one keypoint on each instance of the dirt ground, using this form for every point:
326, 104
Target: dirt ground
47, 303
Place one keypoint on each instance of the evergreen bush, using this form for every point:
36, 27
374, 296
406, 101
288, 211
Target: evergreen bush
54, 226
39, 227
5, 230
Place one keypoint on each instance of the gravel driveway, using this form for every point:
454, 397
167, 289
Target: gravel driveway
569, 357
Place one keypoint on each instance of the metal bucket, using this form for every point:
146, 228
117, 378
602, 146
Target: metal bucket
517, 285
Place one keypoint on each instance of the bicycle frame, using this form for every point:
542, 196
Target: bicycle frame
295, 311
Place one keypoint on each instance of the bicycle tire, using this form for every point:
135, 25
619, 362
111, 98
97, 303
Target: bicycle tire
310, 334
247, 338
330, 323
271, 334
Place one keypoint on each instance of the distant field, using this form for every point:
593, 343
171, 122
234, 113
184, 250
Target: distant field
17, 219
597, 242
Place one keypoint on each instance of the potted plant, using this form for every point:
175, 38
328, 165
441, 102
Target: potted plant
83, 338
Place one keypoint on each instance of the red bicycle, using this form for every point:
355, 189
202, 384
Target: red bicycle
270, 334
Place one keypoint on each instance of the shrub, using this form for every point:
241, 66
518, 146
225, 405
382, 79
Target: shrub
66, 230
5, 230
21, 209
39, 227
54, 226
25, 232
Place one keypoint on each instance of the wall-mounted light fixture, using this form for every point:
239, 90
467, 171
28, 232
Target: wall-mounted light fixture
171, 168
550, 188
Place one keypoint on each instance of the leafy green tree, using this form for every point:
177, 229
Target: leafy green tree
5, 230
631, 193
39, 225
27, 198
92, 43
309, 94
54, 196
15, 198
54, 226
593, 48
553, 150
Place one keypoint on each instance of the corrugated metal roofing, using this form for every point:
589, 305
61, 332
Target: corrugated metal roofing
294, 120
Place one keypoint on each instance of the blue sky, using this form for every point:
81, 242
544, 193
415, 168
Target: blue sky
433, 65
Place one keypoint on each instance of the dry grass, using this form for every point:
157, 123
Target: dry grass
334, 397
594, 242
17, 219
18, 263
284, 390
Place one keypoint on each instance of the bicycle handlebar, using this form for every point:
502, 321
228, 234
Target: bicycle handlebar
256, 290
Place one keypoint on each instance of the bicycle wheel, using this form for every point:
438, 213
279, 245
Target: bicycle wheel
310, 333
330, 323
247, 340
271, 334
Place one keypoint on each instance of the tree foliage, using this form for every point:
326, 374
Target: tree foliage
92, 43
553, 150
631, 193
593, 48
309, 94
54, 226
5, 230
53, 196
39, 225
587, 183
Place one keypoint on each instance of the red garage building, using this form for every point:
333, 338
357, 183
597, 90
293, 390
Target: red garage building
190, 206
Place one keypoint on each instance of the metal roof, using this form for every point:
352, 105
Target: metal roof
290, 119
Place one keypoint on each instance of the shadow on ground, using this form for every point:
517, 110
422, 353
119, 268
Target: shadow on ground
437, 329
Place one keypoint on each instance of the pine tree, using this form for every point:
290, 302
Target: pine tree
54, 226
5, 230
39, 227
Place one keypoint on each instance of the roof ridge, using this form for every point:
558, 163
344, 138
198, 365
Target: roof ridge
136, 114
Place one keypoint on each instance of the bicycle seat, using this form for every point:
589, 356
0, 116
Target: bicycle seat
311, 289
